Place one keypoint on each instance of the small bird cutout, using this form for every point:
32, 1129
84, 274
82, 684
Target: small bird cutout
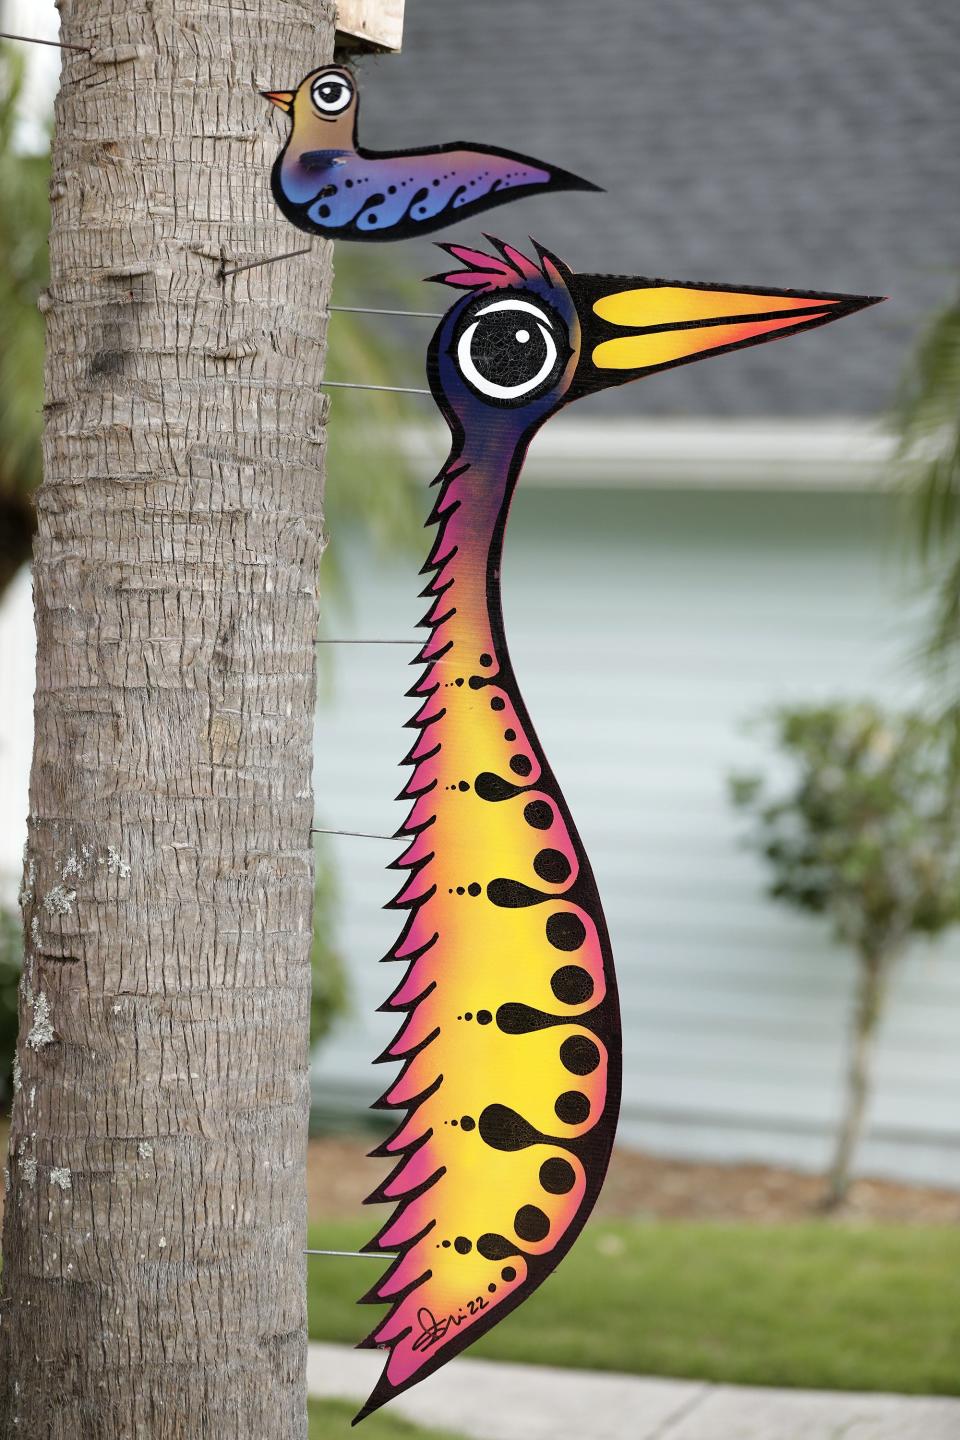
326, 183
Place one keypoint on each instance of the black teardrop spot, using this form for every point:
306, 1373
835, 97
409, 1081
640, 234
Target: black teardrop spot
495, 1247
503, 1129
462, 1245
498, 703
516, 1019
552, 866
520, 764
572, 1107
566, 931
468, 1123
531, 1224
477, 682
493, 787
579, 1055
538, 814
557, 1176
572, 985
511, 895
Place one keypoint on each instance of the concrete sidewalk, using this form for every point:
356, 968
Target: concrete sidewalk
488, 1401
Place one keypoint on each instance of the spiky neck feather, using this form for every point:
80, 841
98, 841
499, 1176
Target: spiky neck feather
466, 648
470, 512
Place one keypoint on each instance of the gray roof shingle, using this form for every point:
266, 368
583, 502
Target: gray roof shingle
812, 145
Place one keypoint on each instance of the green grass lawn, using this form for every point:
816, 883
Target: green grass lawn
815, 1305
330, 1420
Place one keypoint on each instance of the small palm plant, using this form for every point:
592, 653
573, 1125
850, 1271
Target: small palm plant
928, 425
24, 224
371, 486
866, 832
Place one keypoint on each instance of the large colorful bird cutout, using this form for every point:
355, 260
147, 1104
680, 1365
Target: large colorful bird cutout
510, 1042
328, 184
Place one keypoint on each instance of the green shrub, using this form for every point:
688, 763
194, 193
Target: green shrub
865, 832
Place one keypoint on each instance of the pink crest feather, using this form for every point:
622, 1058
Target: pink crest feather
491, 272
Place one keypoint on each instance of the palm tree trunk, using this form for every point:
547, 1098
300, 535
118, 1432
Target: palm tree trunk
153, 1274
873, 971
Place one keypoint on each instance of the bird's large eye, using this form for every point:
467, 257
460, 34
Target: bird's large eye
331, 93
509, 351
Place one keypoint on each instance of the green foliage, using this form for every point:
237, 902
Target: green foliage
812, 1304
24, 222
928, 423
11, 963
371, 492
330, 1418
866, 830
371, 488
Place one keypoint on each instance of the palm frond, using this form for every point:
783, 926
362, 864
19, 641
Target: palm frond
927, 418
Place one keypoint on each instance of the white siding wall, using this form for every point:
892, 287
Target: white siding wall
647, 628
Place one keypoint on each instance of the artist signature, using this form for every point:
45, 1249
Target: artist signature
433, 1330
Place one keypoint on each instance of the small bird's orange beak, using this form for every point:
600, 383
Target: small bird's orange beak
283, 99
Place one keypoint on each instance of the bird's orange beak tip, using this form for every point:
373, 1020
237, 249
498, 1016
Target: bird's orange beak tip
283, 99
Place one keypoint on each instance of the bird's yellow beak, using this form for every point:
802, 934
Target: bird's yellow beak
283, 99
635, 327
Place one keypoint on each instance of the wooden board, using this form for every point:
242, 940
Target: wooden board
376, 23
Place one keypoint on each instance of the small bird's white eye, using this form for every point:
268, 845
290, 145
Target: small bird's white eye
504, 356
331, 93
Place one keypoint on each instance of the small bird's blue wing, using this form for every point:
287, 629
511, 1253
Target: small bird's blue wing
391, 197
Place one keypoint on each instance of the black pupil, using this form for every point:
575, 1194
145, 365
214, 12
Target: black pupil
508, 347
331, 91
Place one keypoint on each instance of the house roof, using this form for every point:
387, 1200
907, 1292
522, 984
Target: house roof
811, 145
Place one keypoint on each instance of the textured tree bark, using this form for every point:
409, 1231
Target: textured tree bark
153, 1275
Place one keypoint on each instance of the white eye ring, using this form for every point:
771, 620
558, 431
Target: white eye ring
469, 370
340, 101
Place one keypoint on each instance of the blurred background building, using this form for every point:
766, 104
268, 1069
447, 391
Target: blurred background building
689, 551
685, 553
